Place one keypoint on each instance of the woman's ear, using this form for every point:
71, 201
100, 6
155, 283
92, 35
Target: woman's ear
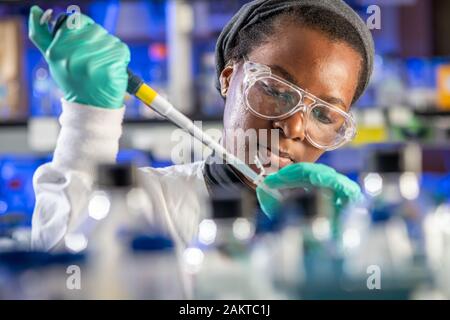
225, 79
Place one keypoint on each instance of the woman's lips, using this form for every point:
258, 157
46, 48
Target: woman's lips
273, 160
281, 160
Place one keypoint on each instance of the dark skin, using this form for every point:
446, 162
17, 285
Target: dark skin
327, 68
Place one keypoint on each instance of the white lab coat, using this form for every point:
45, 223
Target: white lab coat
88, 136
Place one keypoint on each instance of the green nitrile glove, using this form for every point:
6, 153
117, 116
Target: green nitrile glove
87, 63
307, 175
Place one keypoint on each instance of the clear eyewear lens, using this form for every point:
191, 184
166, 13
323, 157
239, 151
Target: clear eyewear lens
272, 99
326, 126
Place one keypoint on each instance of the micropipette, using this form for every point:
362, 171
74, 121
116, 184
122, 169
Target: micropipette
138, 88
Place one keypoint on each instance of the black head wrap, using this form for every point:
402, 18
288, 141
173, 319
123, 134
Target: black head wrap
257, 10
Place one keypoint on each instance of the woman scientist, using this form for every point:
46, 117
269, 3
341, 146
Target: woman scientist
292, 65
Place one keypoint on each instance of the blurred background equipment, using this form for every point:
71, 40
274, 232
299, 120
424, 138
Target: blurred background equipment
13, 90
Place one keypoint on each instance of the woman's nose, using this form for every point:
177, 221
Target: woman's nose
293, 127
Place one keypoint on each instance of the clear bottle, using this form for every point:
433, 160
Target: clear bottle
308, 260
437, 233
40, 275
220, 261
116, 206
152, 270
386, 230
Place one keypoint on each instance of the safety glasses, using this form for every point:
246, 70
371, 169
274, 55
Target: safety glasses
271, 97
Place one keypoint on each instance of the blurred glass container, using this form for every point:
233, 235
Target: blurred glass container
309, 258
115, 206
437, 232
211, 101
151, 269
220, 262
40, 275
420, 81
390, 87
386, 230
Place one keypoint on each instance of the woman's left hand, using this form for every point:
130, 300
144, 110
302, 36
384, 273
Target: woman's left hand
307, 175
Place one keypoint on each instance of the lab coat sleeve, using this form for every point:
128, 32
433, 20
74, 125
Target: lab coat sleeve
89, 135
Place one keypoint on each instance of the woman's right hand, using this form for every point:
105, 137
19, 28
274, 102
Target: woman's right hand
88, 64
